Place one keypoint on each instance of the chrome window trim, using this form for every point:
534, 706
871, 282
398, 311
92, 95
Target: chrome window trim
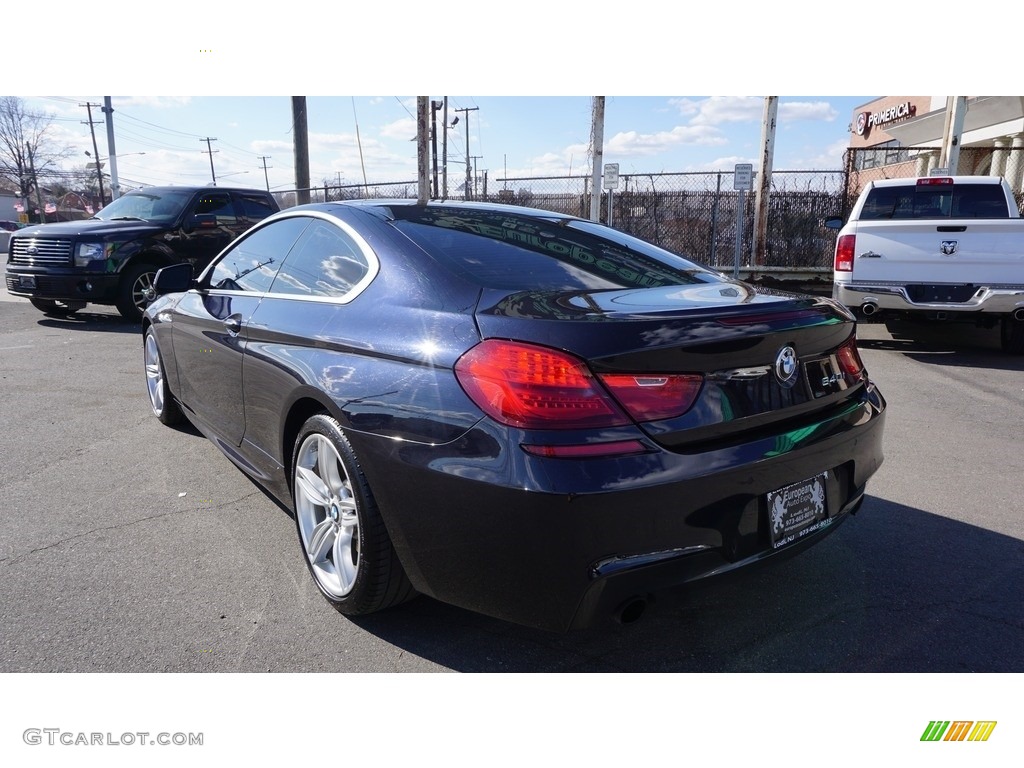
373, 263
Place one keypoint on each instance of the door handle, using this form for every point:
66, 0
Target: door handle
233, 323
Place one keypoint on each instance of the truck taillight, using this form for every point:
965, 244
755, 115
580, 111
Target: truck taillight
932, 180
844, 253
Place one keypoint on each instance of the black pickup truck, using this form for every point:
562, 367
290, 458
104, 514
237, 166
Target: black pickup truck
113, 257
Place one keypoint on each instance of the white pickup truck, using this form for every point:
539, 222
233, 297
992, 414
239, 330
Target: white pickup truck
935, 248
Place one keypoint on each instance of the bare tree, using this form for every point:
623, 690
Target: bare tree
26, 145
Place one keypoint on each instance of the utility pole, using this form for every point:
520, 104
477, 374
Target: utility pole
209, 151
476, 175
301, 133
266, 178
444, 152
115, 185
96, 152
956, 110
422, 166
764, 180
597, 136
469, 181
434, 106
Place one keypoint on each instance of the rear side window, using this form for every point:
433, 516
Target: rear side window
256, 207
957, 201
325, 262
507, 251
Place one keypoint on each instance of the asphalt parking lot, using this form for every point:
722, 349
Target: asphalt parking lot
126, 546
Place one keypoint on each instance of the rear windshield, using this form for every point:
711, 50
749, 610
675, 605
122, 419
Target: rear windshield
936, 201
501, 250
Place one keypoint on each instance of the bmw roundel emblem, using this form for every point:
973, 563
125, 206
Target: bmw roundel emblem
786, 367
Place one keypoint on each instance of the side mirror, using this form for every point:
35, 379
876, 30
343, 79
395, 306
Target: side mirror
173, 279
834, 223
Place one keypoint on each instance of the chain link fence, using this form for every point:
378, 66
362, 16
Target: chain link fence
695, 213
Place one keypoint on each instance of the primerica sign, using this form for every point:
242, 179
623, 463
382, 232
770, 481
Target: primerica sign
868, 120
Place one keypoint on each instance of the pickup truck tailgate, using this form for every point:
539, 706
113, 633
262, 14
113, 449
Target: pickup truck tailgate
956, 251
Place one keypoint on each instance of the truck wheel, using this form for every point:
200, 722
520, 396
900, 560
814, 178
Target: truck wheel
56, 308
1011, 335
136, 291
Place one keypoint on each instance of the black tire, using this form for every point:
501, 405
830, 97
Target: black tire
1011, 336
55, 308
164, 406
341, 532
134, 292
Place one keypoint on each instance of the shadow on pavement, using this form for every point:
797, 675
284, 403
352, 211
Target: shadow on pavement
895, 589
951, 344
91, 321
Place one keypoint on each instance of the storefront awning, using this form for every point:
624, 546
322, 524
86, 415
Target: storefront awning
982, 112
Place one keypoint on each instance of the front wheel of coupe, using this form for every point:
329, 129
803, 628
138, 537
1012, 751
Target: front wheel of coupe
341, 532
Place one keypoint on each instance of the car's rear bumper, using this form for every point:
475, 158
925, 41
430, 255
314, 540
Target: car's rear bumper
564, 544
1003, 300
62, 285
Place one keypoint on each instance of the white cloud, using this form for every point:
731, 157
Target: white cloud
634, 144
790, 111
721, 109
400, 129
717, 110
723, 163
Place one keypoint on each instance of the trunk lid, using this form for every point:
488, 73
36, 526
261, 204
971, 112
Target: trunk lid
734, 335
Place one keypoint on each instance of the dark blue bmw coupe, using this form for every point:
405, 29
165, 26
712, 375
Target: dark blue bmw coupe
519, 412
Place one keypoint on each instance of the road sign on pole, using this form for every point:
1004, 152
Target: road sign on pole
611, 176
743, 176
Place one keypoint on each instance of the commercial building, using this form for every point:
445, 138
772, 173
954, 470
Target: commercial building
899, 136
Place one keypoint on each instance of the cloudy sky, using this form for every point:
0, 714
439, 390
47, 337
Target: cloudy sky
529, 70
509, 136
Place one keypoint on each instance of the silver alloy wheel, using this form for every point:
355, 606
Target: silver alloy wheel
154, 375
327, 515
142, 290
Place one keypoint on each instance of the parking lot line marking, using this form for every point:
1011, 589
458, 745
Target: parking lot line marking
22, 346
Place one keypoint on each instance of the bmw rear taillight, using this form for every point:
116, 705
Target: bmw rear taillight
844, 253
533, 387
649, 397
849, 361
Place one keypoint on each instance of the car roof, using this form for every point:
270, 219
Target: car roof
912, 180
383, 204
193, 188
